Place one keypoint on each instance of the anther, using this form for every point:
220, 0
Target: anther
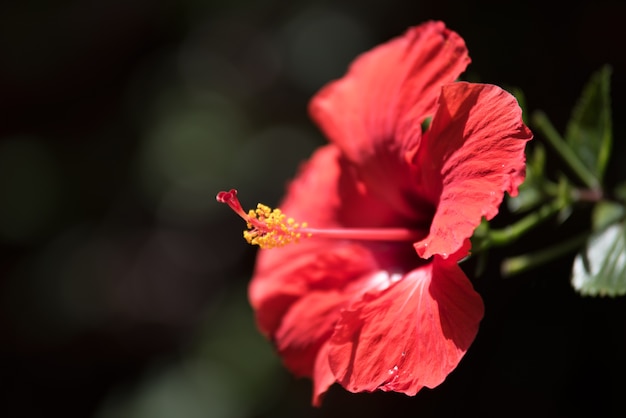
267, 227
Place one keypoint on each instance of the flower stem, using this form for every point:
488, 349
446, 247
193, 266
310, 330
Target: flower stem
501, 237
542, 122
516, 265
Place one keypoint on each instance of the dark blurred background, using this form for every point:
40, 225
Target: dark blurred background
123, 282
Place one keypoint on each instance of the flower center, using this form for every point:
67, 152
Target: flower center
269, 228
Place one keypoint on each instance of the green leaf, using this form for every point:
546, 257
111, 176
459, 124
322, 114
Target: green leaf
588, 131
542, 124
606, 213
600, 269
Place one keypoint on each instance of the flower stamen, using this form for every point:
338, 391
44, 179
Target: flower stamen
267, 227
270, 228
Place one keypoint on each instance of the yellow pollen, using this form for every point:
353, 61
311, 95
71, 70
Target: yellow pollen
270, 228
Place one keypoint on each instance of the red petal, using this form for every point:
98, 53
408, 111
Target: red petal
328, 193
283, 275
473, 153
325, 194
305, 327
323, 377
280, 286
360, 111
297, 290
410, 335
374, 113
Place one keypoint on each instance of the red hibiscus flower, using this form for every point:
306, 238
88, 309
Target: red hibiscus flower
375, 299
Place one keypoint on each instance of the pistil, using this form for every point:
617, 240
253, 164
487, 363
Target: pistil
269, 228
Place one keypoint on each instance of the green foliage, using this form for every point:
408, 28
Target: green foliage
606, 213
600, 270
588, 131
586, 145
600, 265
